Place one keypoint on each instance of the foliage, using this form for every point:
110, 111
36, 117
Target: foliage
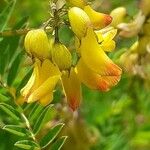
115, 120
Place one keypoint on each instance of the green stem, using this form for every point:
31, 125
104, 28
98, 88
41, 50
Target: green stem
29, 127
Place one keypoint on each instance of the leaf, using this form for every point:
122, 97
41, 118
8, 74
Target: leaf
35, 112
41, 120
59, 143
24, 80
4, 98
6, 14
51, 135
15, 129
10, 111
8, 47
4, 55
26, 144
14, 69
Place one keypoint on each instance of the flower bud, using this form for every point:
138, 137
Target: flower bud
77, 3
61, 56
118, 15
98, 20
79, 21
37, 44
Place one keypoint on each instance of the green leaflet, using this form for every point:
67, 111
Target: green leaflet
51, 135
59, 143
27, 144
41, 120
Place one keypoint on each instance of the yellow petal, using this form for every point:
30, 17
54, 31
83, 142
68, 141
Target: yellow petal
37, 43
48, 69
79, 21
47, 99
99, 20
108, 46
72, 89
44, 89
77, 3
91, 79
94, 56
33, 82
105, 40
110, 35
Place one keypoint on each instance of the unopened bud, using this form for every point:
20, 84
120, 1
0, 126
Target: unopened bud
61, 56
37, 44
79, 21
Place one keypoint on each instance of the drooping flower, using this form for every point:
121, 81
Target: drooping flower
72, 88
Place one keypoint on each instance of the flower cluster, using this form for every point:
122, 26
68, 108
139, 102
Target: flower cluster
53, 60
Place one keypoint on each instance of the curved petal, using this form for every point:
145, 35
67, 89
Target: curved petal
93, 80
46, 99
72, 89
108, 46
89, 78
99, 20
95, 58
44, 89
33, 82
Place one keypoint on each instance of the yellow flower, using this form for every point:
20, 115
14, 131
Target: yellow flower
98, 20
95, 57
72, 88
41, 83
37, 44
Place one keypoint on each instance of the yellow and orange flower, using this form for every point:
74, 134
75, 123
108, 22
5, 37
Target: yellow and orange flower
53, 61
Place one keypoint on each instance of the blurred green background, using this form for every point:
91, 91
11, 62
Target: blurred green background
116, 120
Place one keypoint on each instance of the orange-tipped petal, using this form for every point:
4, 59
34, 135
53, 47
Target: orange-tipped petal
99, 20
72, 88
91, 79
95, 58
